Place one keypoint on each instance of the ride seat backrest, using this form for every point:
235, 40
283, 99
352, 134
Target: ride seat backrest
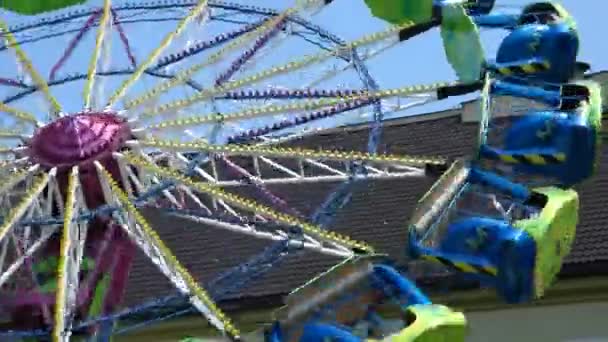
351, 277
439, 197
480, 6
541, 12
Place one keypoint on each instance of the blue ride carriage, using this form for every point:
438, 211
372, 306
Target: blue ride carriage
347, 303
504, 218
499, 232
542, 45
556, 144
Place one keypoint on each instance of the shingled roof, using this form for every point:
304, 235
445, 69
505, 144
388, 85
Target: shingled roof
378, 213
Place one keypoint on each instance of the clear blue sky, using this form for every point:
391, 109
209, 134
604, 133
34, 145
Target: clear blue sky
419, 60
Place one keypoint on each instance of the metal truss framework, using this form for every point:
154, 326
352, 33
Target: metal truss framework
270, 170
185, 202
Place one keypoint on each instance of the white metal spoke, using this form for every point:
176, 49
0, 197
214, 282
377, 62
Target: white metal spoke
364, 56
161, 260
94, 61
16, 178
29, 204
17, 263
17, 213
153, 179
243, 226
70, 257
250, 230
3, 250
150, 243
307, 131
251, 208
194, 198
125, 172
217, 204
25, 62
21, 249
167, 40
282, 171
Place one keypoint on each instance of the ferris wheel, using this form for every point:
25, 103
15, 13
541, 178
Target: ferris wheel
176, 120
101, 139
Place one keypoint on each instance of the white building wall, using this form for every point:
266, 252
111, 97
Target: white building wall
586, 322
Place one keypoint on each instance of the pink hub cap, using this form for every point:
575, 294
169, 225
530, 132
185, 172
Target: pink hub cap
78, 139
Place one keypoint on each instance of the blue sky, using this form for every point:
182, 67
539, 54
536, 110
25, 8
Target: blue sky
419, 60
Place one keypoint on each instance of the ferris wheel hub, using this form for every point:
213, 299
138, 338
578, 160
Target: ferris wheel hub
78, 139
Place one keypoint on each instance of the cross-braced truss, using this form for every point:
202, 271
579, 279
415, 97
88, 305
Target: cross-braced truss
274, 165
